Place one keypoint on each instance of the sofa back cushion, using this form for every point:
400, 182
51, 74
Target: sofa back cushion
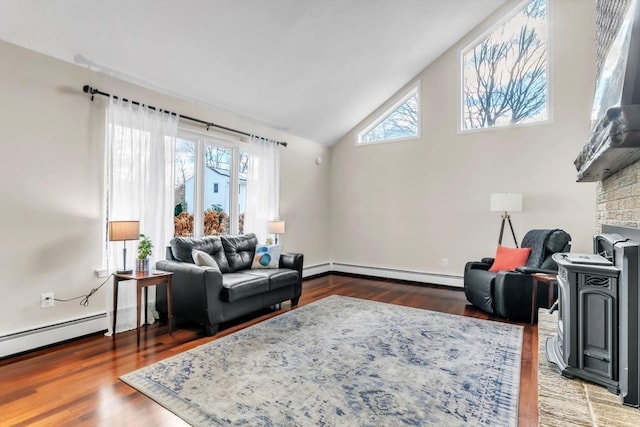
239, 251
181, 248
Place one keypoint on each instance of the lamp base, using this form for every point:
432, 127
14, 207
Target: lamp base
124, 272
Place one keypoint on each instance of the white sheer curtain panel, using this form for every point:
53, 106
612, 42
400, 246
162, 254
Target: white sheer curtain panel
139, 174
263, 186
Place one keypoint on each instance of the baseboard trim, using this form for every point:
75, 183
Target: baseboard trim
316, 270
392, 273
31, 339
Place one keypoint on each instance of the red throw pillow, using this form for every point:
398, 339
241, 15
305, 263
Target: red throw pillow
507, 259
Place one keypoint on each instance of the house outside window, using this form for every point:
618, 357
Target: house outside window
401, 121
505, 74
203, 162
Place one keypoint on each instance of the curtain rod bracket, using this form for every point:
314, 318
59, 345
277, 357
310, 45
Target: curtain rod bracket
88, 89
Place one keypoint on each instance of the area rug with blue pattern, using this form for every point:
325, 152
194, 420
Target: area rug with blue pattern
343, 361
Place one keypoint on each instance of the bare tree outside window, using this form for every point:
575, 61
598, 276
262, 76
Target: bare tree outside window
217, 157
401, 122
244, 164
505, 74
184, 169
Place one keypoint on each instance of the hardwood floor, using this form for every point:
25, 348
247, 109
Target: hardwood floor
77, 384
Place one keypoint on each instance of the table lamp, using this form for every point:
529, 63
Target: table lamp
276, 227
505, 203
123, 231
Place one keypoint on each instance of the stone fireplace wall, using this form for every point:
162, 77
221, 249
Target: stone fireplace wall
618, 196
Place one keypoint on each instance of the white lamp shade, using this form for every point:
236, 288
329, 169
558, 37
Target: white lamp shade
124, 230
276, 227
506, 202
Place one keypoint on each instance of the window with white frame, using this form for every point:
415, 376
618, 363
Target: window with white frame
210, 189
401, 121
505, 72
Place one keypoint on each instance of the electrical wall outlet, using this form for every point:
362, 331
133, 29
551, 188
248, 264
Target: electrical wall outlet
102, 273
46, 300
445, 262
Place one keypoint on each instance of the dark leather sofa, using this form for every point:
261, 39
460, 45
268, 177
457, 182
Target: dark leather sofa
508, 293
230, 289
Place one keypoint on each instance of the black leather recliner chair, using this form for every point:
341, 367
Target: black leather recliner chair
508, 293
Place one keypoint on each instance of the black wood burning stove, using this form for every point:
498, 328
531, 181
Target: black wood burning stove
598, 318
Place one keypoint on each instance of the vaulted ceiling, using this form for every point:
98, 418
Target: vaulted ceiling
312, 68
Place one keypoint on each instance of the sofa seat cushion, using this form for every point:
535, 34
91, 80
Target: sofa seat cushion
277, 277
236, 286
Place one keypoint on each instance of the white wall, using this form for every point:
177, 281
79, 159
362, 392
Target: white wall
407, 205
51, 181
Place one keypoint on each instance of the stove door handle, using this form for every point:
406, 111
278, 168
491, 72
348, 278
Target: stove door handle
595, 356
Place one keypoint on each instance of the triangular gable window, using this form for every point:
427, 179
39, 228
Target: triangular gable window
399, 122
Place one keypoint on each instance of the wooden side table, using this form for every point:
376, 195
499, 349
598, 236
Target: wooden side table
551, 280
143, 280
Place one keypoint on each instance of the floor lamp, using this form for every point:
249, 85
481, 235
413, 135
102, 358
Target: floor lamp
123, 231
505, 203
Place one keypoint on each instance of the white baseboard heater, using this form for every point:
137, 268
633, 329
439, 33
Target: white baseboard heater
31, 339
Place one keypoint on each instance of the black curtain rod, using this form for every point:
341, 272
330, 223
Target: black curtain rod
93, 91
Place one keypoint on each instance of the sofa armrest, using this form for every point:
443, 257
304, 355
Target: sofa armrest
291, 260
531, 270
488, 260
177, 266
195, 291
294, 261
512, 295
477, 265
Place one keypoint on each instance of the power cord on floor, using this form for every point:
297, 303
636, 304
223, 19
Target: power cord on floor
84, 299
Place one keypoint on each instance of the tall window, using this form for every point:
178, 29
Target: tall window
401, 121
504, 74
210, 188
184, 189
